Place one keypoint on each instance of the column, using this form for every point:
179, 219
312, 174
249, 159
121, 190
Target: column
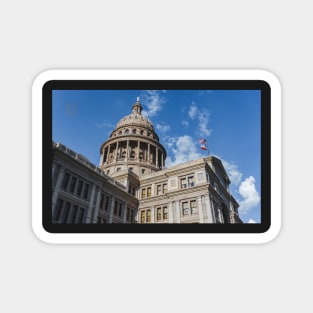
108, 153
57, 188
152, 214
138, 148
157, 157
200, 209
177, 212
116, 151
162, 159
54, 165
127, 150
101, 157
124, 213
90, 207
95, 216
170, 213
148, 159
208, 209
111, 210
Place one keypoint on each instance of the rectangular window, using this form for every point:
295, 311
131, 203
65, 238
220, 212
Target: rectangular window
58, 209
107, 201
165, 213
66, 212
143, 217
159, 214
164, 188
148, 192
185, 208
129, 188
86, 191
143, 193
193, 206
131, 215
73, 184
190, 181
159, 189
79, 188
81, 215
134, 192
74, 214
183, 183
148, 216
101, 200
115, 208
120, 210
128, 214
66, 178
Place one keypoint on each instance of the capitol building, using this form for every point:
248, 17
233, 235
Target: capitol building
132, 185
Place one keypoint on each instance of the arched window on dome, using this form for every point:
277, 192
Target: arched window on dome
126, 131
120, 132
148, 134
132, 155
124, 155
134, 131
141, 132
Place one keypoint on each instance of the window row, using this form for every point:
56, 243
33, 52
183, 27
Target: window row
135, 131
161, 215
160, 189
118, 209
75, 186
68, 213
187, 182
189, 207
131, 189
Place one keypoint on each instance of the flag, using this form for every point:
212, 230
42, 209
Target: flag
203, 144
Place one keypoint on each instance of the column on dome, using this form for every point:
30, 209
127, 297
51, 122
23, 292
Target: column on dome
116, 155
127, 150
101, 157
108, 153
162, 157
148, 159
157, 157
138, 150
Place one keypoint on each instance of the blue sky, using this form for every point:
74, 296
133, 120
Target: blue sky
228, 119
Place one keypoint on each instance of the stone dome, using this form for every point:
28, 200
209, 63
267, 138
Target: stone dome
133, 145
135, 119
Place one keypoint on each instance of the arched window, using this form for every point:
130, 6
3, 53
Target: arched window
126, 131
134, 131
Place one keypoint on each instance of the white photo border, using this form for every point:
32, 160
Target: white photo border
147, 238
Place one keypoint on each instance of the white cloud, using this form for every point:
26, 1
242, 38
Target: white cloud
192, 111
162, 128
184, 149
233, 172
152, 102
202, 116
251, 221
185, 123
249, 194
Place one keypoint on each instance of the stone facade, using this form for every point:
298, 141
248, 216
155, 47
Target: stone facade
131, 184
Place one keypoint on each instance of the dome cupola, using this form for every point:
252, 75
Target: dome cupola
133, 145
